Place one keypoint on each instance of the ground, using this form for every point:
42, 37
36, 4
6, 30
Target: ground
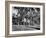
24, 28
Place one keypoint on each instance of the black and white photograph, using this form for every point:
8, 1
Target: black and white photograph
25, 18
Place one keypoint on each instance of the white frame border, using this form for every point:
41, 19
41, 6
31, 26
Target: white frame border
24, 32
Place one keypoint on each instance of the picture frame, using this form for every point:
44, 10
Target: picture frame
11, 29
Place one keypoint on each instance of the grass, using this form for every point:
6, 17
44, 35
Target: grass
25, 27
